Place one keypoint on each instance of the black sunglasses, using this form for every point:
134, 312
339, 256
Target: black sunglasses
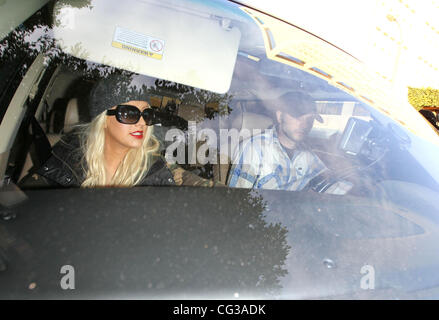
128, 114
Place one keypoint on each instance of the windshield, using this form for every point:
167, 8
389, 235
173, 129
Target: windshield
255, 116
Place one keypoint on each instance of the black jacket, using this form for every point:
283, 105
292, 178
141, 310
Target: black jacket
65, 168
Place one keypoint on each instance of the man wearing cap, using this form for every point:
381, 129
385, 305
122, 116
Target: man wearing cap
278, 157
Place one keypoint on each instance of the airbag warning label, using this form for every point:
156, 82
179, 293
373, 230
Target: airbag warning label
138, 43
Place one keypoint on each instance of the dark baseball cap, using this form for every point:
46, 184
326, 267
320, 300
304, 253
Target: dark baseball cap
297, 104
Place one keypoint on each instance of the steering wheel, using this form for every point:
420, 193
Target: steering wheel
322, 182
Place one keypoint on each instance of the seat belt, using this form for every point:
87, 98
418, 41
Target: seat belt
40, 149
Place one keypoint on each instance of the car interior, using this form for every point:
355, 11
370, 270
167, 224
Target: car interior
61, 103
52, 99
155, 240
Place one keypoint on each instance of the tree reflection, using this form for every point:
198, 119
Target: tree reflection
215, 104
234, 248
175, 241
35, 36
57, 6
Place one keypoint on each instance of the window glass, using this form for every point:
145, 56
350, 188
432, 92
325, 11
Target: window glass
298, 124
330, 107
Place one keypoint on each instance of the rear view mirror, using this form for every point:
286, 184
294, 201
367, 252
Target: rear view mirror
176, 41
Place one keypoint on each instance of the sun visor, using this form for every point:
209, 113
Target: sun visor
163, 39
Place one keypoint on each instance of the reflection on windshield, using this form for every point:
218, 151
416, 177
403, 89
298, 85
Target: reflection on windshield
278, 127
257, 93
148, 250
353, 187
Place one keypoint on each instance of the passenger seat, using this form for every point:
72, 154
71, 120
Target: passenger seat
242, 121
71, 119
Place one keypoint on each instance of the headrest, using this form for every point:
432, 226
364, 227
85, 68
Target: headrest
251, 121
72, 115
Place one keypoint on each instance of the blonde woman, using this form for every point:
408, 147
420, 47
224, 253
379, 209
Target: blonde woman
117, 148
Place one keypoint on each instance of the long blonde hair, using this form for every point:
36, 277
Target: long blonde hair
131, 170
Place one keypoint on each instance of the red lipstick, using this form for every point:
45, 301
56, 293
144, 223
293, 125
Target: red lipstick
137, 134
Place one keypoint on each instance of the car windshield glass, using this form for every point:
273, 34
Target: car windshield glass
214, 94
